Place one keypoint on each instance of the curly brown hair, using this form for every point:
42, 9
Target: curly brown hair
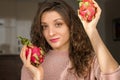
80, 49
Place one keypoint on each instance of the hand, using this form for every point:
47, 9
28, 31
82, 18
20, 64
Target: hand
90, 26
37, 72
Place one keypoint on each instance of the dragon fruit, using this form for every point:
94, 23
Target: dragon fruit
37, 53
87, 9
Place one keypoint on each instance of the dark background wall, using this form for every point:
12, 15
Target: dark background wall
112, 12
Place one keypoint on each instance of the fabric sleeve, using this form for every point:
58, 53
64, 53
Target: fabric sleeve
108, 76
111, 76
25, 74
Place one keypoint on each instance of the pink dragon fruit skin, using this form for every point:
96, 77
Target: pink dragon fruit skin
87, 0
41, 59
87, 10
36, 54
92, 13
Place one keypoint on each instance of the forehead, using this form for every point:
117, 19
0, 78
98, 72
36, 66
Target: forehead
50, 15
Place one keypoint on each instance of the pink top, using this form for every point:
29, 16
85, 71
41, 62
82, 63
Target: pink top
55, 68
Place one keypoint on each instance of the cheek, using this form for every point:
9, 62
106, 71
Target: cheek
45, 34
67, 35
67, 32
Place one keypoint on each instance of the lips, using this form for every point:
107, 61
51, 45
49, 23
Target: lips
53, 40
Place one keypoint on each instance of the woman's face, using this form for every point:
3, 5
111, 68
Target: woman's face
55, 30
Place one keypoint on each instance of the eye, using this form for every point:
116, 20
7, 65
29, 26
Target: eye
44, 27
58, 24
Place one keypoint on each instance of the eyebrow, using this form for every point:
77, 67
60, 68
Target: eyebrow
58, 19
54, 20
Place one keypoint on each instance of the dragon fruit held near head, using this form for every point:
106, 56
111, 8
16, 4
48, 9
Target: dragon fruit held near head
37, 54
87, 10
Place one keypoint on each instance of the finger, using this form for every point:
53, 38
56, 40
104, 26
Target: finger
29, 56
96, 5
27, 62
22, 54
98, 10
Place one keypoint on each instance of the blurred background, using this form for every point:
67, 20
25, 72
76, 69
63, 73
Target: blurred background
16, 17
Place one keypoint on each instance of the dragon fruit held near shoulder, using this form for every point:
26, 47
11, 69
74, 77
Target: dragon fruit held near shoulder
87, 10
37, 53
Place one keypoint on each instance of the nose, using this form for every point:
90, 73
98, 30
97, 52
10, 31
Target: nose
51, 31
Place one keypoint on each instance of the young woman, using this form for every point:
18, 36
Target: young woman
74, 49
